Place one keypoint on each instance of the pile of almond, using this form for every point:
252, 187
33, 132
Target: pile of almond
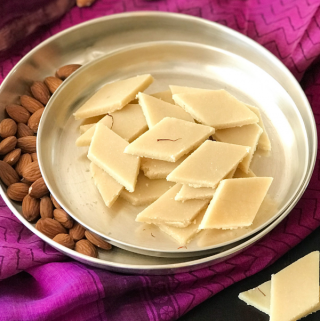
20, 172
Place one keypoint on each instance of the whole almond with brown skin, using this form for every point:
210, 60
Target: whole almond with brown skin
7, 145
23, 161
65, 71
8, 127
18, 113
30, 104
24, 131
17, 191
85, 3
50, 227
7, 174
63, 218
23, 180
65, 240
77, 231
46, 207
30, 208
97, 240
38, 188
34, 157
54, 202
53, 83
27, 144
87, 248
40, 91
34, 120
31, 172
12, 157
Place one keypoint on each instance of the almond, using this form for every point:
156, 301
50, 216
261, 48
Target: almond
23, 180
63, 218
77, 231
38, 188
46, 207
34, 157
34, 120
40, 91
86, 248
27, 144
65, 71
31, 172
30, 208
18, 113
55, 203
17, 191
97, 240
8, 174
30, 104
12, 157
7, 145
24, 131
8, 127
65, 240
23, 161
50, 227
53, 83
84, 3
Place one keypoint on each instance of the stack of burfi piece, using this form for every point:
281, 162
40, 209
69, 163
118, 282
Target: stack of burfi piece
291, 294
158, 149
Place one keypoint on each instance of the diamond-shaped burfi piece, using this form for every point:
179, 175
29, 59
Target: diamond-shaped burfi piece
128, 122
246, 136
146, 191
113, 96
155, 110
155, 169
108, 187
165, 210
216, 108
165, 96
236, 202
106, 151
209, 164
170, 139
295, 289
264, 141
186, 90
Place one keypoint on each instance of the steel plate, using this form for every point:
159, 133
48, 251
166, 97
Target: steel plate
94, 38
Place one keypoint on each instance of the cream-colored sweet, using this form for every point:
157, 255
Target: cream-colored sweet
211, 237
241, 174
84, 128
129, 123
236, 202
106, 151
165, 210
264, 141
246, 136
186, 90
156, 169
183, 235
202, 193
216, 108
91, 120
190, 193
146, 191
209, 164
295, 289
113, 96
258, 297
169, 140
165, 96
155, 109
107, 186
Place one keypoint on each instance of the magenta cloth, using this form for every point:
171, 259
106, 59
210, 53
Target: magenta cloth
38, 283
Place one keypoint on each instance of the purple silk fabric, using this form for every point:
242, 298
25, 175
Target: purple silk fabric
38, 283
